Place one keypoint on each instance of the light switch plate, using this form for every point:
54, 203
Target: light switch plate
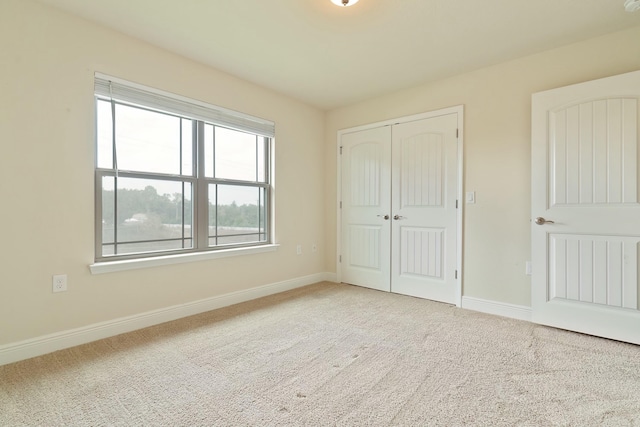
471, 197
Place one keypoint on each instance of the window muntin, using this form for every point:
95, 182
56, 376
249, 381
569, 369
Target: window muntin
147, 187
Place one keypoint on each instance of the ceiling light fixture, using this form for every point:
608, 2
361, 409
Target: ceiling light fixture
344, 2
632, 5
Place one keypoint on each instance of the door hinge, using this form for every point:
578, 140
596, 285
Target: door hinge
341, 204
340, 149
456, 274
456, 204
457, 133
340, 258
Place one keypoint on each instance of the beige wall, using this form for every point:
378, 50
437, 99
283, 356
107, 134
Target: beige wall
46, 175
497, 150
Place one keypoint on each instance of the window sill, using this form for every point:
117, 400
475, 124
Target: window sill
132, 264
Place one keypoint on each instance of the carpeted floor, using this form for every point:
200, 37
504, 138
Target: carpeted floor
329, 355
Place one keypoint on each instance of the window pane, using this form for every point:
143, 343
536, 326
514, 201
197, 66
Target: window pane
262, 158
235, 239
187, 147
170, 245
238, 217
104, 134
213, 212
108, 211
147, 141
235, 155
151, 215
208, 150
107, 250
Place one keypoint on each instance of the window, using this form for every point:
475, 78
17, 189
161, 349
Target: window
175, 175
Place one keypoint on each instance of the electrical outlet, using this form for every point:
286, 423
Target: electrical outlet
60, 283
299, 249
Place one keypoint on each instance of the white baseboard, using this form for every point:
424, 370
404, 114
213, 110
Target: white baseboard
14, 352
519, 312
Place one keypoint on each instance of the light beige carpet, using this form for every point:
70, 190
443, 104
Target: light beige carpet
327, 355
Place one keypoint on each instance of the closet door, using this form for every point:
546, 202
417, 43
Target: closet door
424, 217
366, 208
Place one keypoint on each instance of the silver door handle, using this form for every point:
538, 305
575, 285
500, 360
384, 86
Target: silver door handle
397, 217
384, 217
542, 221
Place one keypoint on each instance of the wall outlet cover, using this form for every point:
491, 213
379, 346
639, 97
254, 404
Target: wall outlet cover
59, 283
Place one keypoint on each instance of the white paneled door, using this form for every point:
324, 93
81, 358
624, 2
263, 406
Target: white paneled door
366, 207
424, 188
399, 184
585, 210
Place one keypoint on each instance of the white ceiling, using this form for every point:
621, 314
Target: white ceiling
330, 56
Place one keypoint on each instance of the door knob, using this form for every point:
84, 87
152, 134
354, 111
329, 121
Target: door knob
384, 217
397, 217
542, 221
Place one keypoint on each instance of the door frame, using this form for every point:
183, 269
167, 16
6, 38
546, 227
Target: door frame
459, 110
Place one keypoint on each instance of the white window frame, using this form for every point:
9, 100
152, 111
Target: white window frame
118, 90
